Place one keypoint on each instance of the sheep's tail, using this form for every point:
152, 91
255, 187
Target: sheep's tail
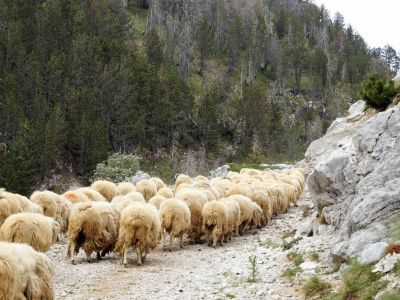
127, 233
168, 220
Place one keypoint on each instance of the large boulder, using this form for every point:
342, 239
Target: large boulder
355, 177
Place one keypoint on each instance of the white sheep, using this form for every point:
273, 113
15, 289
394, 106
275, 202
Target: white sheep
24, 273
175, 219
30, 228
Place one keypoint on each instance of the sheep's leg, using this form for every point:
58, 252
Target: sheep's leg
125, 259
72, 251
241, 226
145, 255
208, 239
88, 256
171, 239
237, 231
98, 255
139, 256
181, 241
164, 238
215, 240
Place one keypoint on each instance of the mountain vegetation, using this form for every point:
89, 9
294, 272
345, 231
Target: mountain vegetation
178, 83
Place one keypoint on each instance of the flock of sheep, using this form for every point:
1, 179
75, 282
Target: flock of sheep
106, 217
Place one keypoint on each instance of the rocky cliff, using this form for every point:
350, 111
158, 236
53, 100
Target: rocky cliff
354, 177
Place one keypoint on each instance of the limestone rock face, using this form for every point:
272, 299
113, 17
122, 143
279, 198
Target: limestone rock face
355, 176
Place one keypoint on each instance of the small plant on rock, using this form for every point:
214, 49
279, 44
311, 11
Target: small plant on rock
253, 277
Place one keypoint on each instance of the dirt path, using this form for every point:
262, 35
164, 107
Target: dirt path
197, 271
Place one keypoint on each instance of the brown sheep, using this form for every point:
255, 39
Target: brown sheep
33, 229
94, 227
24, 273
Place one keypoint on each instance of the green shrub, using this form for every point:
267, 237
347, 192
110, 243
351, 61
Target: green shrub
359, 282
116, 168
316, 287
378, 91
394, 295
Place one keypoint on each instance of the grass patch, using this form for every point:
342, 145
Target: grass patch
288, 234
269, 243
394, 295
287, 246
359, 282
316, 288
290, 273
314, 256
296, 258
230, 296
396, 269
394, 227
306, 210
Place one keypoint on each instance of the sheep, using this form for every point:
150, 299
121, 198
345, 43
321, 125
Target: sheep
221, 185
147, 188
92, 194
215, 218
258, 219
121, 202
166, 192
157, 200
246, 211
261, 197
175, 219
158, 182
194, 200
63, 211
94, 227
140, 227
233, 217
24, 273
191, 192
125, 188
47, 200
182, 181
11, 203
75, 196
30, 228
107, 188
136, 196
